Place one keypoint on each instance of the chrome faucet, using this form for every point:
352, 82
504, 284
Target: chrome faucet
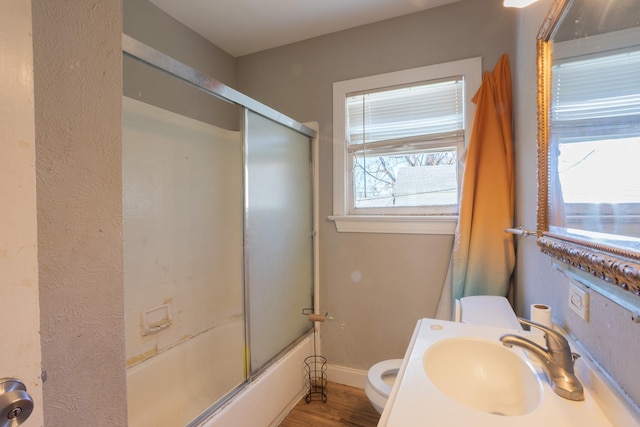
557, 359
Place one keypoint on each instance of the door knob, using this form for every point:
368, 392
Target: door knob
15, 403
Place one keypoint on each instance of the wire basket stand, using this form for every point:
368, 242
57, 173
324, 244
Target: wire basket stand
315, 373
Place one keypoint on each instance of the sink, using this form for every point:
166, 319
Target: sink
482, 375
457, 374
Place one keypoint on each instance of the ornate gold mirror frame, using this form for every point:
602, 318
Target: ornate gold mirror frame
614, 265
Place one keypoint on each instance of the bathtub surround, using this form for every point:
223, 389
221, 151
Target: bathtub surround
209, 230
175, 252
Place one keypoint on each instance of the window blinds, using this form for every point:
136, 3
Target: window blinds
586, 105
429, 113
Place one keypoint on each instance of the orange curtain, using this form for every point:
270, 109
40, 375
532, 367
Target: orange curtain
483, 254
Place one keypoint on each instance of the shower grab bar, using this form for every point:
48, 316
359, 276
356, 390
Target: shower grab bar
155, 58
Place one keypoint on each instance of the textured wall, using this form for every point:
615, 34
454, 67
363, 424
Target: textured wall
78, 90
376, 286
609, 335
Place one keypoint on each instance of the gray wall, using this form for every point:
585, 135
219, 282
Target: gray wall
150, 25
77, 94
609, 335
401, 276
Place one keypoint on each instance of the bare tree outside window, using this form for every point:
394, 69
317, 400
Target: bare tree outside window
407, 179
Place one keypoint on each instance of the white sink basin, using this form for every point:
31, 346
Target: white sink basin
483, 375
457, 374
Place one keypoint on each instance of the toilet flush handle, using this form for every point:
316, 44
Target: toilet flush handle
15, 403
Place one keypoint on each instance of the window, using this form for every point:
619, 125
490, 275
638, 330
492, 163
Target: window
397, 141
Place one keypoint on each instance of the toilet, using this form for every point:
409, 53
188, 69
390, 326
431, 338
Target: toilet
380, 379
485, 310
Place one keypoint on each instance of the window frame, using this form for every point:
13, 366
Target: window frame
471, 70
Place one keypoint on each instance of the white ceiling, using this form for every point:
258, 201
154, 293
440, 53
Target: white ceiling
241, 27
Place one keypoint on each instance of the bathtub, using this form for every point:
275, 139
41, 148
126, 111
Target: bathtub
268, 399
178, 385
175, 386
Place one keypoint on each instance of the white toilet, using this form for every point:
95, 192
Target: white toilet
380, 381
483, 310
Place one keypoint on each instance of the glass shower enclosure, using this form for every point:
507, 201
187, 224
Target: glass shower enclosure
218, 238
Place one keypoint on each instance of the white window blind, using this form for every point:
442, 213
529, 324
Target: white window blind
403, 143
595, 125
424, 112
587, 106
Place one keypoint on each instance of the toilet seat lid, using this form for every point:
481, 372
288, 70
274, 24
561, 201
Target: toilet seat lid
379, 370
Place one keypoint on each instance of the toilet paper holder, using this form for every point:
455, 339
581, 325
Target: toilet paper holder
313, 317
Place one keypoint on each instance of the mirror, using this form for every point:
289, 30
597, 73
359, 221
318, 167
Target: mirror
589, 138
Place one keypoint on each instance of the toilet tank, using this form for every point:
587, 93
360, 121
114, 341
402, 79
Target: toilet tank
486, 310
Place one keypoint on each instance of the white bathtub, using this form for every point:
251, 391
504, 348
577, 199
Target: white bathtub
267, 400
177, 385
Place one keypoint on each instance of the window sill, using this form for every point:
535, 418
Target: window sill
395, 224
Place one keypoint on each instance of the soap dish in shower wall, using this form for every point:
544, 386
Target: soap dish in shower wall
156, 319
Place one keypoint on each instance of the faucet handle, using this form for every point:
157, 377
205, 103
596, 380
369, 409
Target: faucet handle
555, 341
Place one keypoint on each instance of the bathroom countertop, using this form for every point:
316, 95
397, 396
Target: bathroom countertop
415, 398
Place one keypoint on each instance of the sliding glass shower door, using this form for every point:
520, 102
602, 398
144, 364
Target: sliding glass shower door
278, 236
218, 238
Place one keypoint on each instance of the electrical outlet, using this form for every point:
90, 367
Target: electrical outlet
579, 301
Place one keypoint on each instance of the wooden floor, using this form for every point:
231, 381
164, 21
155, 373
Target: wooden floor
345, 406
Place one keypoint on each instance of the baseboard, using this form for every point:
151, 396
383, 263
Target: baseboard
347, 376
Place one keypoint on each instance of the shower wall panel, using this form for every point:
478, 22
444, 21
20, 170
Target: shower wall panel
183, 208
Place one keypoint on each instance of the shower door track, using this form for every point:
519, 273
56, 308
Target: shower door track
144, 53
